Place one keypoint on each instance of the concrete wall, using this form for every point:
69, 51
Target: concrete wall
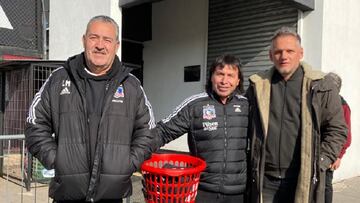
179, 38
331, 41
341, 42
68, 21
330, 36
311, 30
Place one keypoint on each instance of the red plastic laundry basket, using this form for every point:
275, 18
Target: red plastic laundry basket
171, 178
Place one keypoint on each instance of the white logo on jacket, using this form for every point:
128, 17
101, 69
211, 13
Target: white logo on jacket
119, 94
66, 85
209, 112
65, 91
237, 108
210, 126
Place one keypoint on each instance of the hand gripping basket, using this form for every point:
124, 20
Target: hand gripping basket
171, 178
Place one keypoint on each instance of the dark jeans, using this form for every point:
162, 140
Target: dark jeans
329, 186
279, 190
211, 197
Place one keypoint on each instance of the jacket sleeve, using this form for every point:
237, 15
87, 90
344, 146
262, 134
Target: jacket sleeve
38, 130
142, 137
347, 116
333, 127
173, 126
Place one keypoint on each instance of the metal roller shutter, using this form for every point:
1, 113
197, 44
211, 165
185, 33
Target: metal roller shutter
244, 28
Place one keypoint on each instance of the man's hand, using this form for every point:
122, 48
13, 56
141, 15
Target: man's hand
336, 164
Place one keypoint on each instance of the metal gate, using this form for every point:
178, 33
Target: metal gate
244, 28
21, 84
20, 81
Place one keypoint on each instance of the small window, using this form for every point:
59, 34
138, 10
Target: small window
192, 73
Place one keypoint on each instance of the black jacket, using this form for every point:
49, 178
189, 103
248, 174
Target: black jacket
123, 140
217, 133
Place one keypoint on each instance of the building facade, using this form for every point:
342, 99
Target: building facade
170, 44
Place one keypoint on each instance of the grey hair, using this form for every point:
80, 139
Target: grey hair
285, 31
106, 19
336, 79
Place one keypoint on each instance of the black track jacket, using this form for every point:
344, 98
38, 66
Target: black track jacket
123, 140
217, 133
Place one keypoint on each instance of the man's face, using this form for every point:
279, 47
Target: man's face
100, 44
286, 54
225, 81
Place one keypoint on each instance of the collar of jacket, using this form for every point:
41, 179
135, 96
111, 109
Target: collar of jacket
78, 62
262, 86
216, 97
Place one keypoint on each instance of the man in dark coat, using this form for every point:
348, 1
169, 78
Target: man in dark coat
297, 126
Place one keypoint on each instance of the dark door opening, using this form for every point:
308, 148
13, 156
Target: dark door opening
136, 28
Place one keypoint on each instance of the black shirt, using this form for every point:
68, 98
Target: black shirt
95, 90
283, 139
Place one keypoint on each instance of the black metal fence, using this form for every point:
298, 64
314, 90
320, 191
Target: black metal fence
20, 81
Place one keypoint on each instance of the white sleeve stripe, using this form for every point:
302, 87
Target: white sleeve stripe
151, 123
242, 97
183, 104
147, 103
32, 116
135, 77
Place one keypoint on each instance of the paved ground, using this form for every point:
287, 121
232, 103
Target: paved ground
346, 191
12, 192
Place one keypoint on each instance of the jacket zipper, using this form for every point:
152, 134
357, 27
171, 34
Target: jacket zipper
281, 128
225, 146
314, 178
100, 140
107, 100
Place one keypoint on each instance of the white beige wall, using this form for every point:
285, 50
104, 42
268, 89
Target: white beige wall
332, 42
68, 21
311, 29
179, 38
341, 44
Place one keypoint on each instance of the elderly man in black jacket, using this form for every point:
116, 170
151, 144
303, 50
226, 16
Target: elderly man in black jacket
216, 122
100, 118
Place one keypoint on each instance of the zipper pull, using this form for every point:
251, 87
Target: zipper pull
314, 179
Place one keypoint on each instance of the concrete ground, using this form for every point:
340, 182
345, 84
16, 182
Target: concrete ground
346, 191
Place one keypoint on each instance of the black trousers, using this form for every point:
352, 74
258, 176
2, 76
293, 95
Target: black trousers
329, 186
211, 197
279, 190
